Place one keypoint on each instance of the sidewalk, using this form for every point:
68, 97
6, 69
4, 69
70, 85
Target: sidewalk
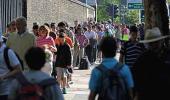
79, 89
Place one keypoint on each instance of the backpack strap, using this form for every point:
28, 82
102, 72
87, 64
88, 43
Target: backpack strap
101, 68
47, 82
21, 61
117, 67
6, 58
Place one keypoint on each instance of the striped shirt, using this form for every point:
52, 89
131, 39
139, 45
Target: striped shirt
41, 41
131, 51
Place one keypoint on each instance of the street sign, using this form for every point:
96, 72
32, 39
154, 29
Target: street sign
135, 4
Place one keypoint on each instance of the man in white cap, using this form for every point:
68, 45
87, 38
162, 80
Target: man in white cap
152, 69
6, 74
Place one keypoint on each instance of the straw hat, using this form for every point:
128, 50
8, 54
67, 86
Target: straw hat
153, 35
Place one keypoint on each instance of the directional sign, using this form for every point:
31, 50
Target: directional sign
135, 4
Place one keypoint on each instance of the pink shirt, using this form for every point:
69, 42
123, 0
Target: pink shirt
41, 41
125, 31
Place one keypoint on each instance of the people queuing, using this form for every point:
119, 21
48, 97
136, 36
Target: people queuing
55, 50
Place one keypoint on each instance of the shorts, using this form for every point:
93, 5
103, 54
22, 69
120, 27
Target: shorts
61, 73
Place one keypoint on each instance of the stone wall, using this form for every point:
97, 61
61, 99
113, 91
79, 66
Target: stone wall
43, 11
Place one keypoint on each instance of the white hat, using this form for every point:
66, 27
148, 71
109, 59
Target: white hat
153, 35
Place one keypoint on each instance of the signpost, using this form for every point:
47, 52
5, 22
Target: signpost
142, 15
0, 24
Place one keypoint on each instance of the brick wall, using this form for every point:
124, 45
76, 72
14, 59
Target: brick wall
42, 11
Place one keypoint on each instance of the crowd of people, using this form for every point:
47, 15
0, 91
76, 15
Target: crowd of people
52, 51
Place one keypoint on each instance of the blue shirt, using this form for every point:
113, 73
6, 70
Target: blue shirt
94, 84
5, 84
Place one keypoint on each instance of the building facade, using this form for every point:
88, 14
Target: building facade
44, 11
10, 9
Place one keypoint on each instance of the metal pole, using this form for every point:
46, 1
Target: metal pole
0, 21
113, 12
139, 16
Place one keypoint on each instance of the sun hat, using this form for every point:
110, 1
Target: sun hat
153, 35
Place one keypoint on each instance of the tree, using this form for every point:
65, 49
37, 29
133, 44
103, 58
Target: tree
102, 14
156, 15
132, 17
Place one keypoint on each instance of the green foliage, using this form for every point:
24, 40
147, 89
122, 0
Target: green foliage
102, 14
132, 17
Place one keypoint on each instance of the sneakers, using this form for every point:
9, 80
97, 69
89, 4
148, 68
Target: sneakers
64, 91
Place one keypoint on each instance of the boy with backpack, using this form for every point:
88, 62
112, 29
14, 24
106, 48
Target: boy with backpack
35, 84
110, 80
6, 74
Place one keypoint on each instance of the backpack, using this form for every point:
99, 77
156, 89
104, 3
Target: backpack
32, 91
113, 86
84, 63
6, 58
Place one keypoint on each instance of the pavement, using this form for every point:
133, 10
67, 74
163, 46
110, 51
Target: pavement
79, 89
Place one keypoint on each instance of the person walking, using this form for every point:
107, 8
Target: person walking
108, 47
7, 75
63, 61
35, 58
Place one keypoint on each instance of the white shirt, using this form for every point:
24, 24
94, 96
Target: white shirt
90, 34
48, 66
